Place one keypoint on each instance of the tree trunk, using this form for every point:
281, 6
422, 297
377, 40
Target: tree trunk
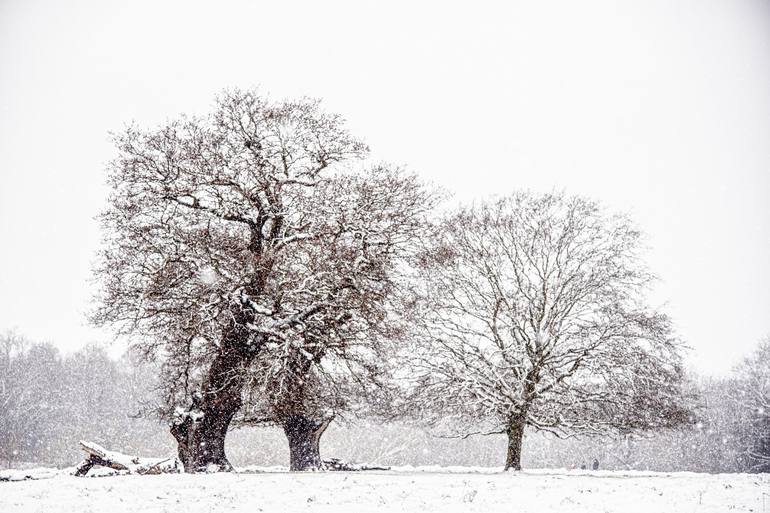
304, 435
515, 433
201, 441
200, 431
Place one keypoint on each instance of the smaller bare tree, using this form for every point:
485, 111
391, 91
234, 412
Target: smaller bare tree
530, 314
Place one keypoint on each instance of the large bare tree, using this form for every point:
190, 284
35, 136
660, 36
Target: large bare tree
531, 315
208, 224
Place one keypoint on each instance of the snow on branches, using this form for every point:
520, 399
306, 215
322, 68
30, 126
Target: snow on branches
531, 314
248, 231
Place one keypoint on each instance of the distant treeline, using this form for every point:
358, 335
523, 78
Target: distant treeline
48, 401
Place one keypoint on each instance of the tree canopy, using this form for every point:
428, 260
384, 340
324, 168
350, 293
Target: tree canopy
250, 231
531, 314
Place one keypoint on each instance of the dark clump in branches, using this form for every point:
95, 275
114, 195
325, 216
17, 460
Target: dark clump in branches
530, 314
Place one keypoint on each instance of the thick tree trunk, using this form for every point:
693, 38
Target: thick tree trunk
304, 436
201, 435
200, 432
515, 433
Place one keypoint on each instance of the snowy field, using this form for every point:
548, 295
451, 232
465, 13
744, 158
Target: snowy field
455, 489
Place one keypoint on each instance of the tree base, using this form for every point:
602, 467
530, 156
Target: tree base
515, 433
304, 436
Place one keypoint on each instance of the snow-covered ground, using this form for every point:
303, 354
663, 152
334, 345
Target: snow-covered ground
405, 489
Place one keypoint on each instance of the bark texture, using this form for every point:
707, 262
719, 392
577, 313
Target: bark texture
200, 434
515, 434
304, 436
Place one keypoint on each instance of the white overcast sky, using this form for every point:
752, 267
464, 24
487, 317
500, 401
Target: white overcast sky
658, 108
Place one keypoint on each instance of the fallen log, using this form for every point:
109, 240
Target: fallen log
96, 455
343, 466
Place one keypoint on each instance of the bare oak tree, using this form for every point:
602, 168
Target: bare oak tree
202, 228
531, 315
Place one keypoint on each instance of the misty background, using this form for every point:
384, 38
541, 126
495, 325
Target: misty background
49, 401
659, 109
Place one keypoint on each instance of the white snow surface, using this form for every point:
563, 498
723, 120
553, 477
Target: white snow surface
402, 489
